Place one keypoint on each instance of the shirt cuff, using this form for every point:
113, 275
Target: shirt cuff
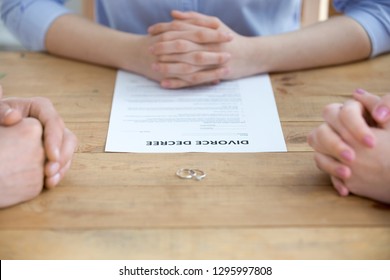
376, 30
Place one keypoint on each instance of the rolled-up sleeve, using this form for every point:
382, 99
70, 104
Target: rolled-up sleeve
374, 16
29, 20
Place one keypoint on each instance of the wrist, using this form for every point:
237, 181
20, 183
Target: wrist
258, 55
129, 52
247, 57
134, 56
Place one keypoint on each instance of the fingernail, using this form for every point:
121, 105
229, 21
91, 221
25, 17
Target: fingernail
360, 91
369, 141
56, 152
55, 179
343, 191
53, 168
347, 155
151, 49
9, 111
381, 113
342, 172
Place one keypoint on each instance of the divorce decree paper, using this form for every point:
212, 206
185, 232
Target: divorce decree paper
232, 116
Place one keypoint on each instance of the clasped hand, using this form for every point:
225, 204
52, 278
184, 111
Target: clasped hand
195, 49
37, 148
353, 146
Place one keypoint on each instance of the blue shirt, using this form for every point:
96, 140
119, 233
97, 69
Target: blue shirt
29, 20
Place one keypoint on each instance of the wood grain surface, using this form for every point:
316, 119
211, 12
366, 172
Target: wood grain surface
250, 206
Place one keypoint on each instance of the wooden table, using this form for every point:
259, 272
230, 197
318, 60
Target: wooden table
250, 206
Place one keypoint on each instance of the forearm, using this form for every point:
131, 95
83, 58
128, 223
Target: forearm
335, 41
78, 38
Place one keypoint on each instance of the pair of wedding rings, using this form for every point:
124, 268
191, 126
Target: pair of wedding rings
186, 173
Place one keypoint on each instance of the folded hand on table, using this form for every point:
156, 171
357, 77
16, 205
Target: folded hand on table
353, 146
37, 148
197, 49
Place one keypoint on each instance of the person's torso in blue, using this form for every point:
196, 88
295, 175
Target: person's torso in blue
246, 17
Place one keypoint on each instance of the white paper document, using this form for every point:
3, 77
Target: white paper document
233, 116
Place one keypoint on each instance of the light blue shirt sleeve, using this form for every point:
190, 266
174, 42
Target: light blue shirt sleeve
29, 20
374, 16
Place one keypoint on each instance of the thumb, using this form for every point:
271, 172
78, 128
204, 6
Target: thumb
8, 116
